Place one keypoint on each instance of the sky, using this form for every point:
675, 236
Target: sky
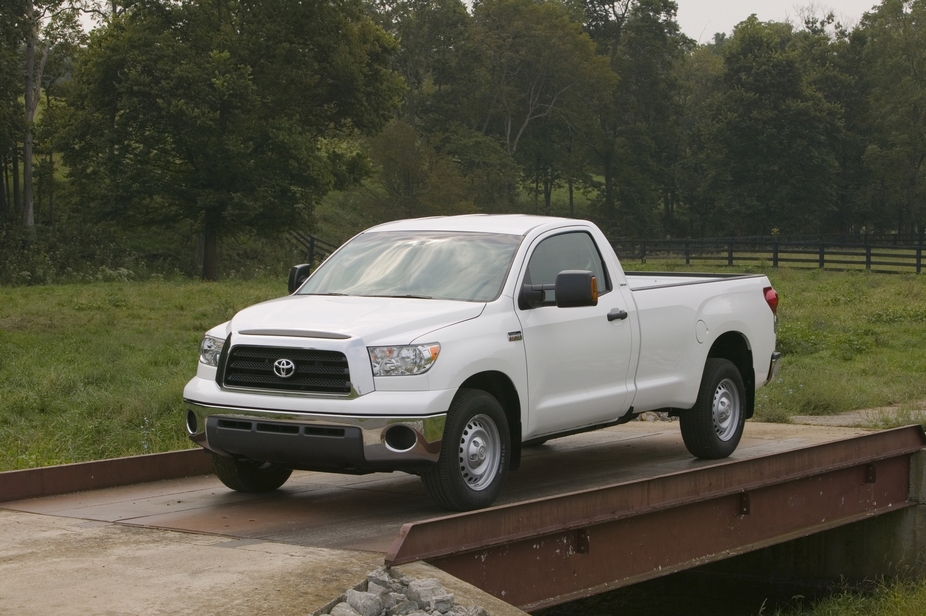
700, 19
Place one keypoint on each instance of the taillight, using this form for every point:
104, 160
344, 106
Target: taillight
771, 298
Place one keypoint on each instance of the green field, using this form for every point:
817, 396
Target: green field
850, 340
93, 371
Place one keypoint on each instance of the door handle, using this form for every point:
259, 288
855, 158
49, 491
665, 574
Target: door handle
617, 315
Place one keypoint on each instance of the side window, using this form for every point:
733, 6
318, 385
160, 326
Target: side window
567, 251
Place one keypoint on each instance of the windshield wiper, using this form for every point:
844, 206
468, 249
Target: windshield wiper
408, 296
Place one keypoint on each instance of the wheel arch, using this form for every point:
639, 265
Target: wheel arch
498, 385
734, 347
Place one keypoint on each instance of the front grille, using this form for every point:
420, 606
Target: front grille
313, 371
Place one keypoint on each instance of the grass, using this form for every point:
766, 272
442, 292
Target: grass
849, 342
93, 371
904, 416
889, 599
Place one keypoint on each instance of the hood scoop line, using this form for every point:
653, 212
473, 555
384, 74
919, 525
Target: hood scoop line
294, 333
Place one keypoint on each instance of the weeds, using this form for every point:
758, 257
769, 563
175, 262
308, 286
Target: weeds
906, 415
887, 599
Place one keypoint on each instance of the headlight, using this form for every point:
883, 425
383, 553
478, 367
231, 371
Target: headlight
210, 349
403, 360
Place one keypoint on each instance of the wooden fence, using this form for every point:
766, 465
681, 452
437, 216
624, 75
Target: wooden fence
313, 247
884, 254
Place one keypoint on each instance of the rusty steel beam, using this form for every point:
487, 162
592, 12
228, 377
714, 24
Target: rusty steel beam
548, 551
98, 474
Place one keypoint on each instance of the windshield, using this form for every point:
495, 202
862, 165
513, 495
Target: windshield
422, 264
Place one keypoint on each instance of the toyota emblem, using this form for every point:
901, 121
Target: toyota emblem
284, 368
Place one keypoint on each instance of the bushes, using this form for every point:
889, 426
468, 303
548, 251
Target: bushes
60, 254
84, 252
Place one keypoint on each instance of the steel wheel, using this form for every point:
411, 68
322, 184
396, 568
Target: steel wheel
480, 452
712, 428
474, 454
726, 409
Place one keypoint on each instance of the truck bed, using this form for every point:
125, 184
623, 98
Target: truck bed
639, 281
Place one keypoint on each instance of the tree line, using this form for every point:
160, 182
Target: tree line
217, 118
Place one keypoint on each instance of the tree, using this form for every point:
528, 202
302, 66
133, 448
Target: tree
404, 161
49, 23
699, 170
534, 62
491, 173
832, 64
774, 141
635, 139
226, 115
531, 78
430, 34
12, 34
516, 74
895, 59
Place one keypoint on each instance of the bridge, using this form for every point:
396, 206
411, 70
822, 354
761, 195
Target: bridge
585, 514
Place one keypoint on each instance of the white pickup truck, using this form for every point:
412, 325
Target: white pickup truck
443, 346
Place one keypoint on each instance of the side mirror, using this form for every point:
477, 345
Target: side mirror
576, 288
573, 288
297, 276
534, 296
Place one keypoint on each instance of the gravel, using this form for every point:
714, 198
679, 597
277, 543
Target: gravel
385, 593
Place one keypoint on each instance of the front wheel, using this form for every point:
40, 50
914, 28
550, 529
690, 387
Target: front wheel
474, 455
246, 476
713, 427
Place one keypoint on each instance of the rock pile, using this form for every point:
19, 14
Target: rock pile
655, 416
384, 593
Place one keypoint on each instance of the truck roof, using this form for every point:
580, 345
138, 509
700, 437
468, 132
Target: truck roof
511, 224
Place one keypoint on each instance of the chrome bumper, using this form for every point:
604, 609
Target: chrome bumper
377, 453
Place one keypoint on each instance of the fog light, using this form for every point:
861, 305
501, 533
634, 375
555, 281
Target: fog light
400, 438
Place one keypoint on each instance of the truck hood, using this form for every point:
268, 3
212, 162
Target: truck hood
377, 320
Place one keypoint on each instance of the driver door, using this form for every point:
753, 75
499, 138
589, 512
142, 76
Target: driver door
578, 360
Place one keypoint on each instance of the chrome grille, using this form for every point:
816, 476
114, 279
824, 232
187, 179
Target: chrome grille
315, 371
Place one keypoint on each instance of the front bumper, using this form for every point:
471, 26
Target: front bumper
332, 443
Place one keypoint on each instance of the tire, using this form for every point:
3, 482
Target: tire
245, 476
474, 455
713, 427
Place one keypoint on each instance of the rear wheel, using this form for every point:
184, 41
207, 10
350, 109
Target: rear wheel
246, 476
474, 455
713, 427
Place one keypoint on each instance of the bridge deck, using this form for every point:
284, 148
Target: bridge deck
366, 513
